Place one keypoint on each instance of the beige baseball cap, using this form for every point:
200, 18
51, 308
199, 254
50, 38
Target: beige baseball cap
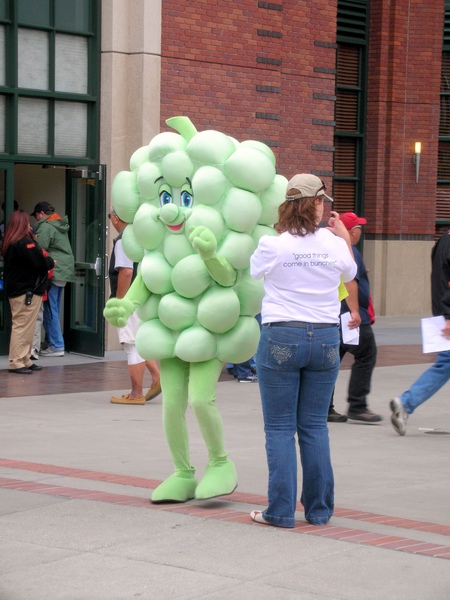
307, 186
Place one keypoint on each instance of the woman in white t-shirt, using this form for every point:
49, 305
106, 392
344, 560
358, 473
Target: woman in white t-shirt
298, 355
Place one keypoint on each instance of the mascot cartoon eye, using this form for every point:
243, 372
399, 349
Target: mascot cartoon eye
165, 198
186, 199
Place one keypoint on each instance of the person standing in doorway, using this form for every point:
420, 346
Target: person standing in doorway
365, 352
52, 235
26, 272
122, 272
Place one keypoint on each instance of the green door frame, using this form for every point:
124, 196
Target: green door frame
8, 197
84, 325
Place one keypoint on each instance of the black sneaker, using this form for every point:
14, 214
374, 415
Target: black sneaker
366, 416
35, 367
335, 417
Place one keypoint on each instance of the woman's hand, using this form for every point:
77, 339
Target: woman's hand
446, 331
336, 226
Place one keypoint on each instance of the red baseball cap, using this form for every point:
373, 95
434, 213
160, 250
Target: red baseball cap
351, 220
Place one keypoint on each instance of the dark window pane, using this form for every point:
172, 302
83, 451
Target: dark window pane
443, 161
443, 202
3, 12
445, 72
344, 193
444, 123
73, 15
346, 111
34, 12
347, 65
345, 157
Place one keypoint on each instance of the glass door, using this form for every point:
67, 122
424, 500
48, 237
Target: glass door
6, 208
84, 329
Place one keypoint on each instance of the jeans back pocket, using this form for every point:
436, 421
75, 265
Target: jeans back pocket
281, 354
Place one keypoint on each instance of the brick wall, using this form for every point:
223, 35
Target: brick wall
266, 71
255, 70
403, 107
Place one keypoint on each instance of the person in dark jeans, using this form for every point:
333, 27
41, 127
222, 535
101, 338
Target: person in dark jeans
245, 372
365, 353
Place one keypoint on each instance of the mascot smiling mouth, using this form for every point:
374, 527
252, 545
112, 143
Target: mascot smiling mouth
176, 227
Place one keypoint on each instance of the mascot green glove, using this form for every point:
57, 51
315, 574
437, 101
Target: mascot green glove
196, 204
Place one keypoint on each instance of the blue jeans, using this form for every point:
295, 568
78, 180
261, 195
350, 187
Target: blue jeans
51, 321
297, 369
242, 370
428, 383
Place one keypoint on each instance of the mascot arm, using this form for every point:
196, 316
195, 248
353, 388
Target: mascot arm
204, 241
118, 310
138, 293
221, 271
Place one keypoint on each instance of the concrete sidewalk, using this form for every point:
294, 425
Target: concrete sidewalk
388, 331
76, 474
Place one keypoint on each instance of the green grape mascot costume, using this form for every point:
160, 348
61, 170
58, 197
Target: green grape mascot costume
196, 204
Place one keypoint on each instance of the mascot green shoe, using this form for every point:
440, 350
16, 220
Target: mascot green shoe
218, 480
176, 488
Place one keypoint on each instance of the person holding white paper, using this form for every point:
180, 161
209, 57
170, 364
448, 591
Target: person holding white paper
365, 350
439, 373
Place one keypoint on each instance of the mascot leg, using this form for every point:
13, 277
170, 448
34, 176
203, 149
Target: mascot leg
180, 486
220, 476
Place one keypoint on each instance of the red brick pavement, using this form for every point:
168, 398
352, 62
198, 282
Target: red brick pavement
99, 376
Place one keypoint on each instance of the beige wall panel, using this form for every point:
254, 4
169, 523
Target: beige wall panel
399, 273
143, 106
131, 26
145, 26
114, 106
130, 89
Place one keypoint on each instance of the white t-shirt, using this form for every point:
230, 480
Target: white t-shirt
302, 275
121, 259
126, 334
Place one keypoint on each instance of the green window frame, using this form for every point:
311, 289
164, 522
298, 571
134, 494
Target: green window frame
39, 95
350, 112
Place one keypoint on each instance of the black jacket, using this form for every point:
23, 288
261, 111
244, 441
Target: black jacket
26, 268
440, 277
113, 273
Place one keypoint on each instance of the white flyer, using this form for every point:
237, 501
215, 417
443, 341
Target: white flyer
432, 338
349, 336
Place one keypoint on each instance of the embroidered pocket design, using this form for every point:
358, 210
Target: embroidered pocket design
333, 355
281, 354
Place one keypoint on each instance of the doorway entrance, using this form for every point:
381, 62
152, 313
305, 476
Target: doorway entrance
78, 192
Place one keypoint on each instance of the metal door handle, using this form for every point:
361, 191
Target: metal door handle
98, 266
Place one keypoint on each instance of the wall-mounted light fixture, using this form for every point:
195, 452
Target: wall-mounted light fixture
416, 159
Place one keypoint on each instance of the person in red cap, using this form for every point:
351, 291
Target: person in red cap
365, 353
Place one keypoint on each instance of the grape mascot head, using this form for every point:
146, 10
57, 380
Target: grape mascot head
197, 204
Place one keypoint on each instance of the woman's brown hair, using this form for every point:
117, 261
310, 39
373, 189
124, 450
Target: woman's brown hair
17, 228
298, 217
